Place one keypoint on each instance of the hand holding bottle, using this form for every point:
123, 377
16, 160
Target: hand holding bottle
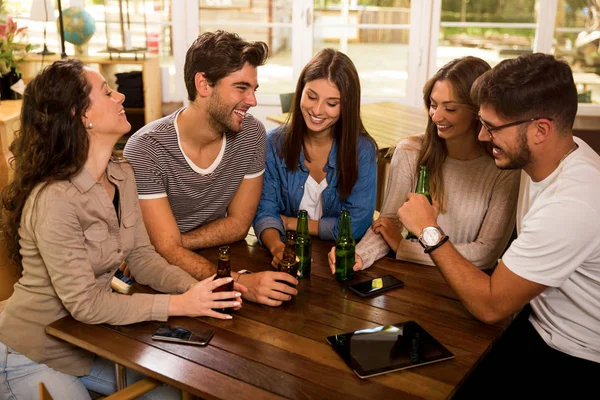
200, 300
358, 264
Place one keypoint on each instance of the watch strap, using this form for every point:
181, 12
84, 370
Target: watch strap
429, 249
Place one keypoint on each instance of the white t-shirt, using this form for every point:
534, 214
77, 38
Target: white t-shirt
312, 199
558, 221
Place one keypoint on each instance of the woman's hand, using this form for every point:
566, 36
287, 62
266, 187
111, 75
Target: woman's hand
358, 261
200, 300
125, 269
389, 231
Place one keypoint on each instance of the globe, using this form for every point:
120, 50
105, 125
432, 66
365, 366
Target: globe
78, 24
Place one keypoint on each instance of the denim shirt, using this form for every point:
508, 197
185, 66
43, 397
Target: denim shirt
283, 190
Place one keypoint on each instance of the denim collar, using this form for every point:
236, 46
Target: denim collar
331, 161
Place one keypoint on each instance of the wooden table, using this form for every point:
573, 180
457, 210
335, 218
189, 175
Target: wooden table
281, 352
388, 123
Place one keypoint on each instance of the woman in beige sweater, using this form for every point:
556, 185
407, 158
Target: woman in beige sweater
477, 200
71, 217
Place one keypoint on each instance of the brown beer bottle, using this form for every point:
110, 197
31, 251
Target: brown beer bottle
224, 271
289, 262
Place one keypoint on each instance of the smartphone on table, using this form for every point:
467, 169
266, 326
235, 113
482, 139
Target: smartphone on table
376, 285
181, 335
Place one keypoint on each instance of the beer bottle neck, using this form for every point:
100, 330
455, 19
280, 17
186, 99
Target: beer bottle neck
302, 228
345, 226
423, 181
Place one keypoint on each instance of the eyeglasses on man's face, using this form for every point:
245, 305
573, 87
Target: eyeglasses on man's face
491, 129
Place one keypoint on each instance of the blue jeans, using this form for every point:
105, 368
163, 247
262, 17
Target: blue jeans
19, 378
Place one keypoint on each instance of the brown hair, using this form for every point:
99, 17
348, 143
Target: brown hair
460, 73
52, 143
530, 86
218, 54
338, 69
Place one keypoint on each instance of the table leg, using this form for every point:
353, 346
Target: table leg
121, 376
382, 167
187, 396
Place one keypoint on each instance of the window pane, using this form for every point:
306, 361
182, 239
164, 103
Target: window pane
576, 40
269, 21
155, 35
491, 30
379, 53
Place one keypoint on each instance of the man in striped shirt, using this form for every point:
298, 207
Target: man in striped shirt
200, 170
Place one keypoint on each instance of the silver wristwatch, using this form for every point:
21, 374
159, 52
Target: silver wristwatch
431, 236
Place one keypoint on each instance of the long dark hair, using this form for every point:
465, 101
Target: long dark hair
52, 143
338, 69
460, 73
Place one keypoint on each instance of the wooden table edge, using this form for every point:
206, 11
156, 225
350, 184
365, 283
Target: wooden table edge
249, 390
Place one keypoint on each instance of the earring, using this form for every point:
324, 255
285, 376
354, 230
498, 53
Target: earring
90, 126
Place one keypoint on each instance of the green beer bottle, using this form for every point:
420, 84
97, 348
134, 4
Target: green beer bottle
422, 188
344, 249
303, 245
289, 262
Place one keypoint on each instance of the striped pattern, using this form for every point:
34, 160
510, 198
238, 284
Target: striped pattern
197, 196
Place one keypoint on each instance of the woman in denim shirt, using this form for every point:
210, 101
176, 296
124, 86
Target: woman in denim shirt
323, 160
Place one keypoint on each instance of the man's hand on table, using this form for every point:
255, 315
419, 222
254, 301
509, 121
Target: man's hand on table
264, 288
416, 213
358, 261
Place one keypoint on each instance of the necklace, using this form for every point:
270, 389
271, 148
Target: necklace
575, 147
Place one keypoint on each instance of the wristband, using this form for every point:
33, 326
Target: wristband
432, 248
242, 272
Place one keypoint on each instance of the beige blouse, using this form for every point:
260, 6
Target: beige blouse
480, 214
71, 244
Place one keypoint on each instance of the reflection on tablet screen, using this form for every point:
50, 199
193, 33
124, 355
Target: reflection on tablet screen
388, 348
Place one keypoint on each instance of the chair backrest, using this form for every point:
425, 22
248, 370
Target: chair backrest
129, 393
286, 101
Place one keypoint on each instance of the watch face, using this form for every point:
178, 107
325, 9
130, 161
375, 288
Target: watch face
431, 236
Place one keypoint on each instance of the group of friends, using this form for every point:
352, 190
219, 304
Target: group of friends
498, 143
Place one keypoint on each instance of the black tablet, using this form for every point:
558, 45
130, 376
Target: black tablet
384, 349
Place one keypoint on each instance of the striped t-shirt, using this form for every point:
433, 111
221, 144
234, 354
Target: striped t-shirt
197, 196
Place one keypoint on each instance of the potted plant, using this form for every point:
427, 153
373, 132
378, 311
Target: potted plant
13, 48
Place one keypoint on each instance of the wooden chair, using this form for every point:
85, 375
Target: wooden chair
129, 393
285, 99
8, 275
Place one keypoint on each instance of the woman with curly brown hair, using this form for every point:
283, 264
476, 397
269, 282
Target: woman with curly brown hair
71, 217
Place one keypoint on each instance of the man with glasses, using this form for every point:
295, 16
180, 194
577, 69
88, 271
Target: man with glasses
527, 109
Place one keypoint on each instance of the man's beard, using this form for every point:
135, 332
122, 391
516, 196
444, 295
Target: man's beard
220, 118
523, 155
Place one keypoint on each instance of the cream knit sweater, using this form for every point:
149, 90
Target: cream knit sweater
480, 207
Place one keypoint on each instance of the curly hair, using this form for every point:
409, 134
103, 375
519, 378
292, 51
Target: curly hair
52, 143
